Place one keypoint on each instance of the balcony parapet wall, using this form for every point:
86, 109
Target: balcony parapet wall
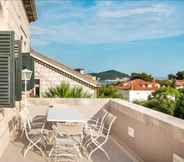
154, 136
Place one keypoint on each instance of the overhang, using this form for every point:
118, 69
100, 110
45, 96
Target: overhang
30, 8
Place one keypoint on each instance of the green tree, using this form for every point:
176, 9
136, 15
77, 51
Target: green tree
180, 75
179, 111
143, 76
166, 106
171, 76
166, 93
166, 83
108, 91
164, 100
66, 91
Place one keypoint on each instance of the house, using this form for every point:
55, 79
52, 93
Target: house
15, 19
179, 84
137, 89
49, 73
16, 16
128, 140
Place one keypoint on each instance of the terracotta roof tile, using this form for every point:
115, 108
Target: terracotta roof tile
138, 84
179, 82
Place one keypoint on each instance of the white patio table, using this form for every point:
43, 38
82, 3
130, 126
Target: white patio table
68, 115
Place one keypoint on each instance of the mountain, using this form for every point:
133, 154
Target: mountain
109, 75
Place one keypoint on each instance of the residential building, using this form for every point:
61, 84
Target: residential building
16, 15
15, 19
179, 84
137, 89
49, 73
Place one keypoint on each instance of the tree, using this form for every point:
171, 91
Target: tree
167, 93
171, 76
163, 100
179, 111
166, 83
66, 91
180, 75
108, 91
166, 106
143, 76
168, 100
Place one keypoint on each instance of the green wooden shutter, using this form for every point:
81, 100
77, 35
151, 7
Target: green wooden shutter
7, 74
18, 69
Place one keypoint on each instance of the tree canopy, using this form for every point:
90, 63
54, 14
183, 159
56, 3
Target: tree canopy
179, 75
143, 76
167, 100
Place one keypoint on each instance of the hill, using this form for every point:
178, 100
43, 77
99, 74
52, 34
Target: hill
110, 75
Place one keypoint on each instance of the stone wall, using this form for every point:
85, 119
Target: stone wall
50, 78
13, 17
153, 136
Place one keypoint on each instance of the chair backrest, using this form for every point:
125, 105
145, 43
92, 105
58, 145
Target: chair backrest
108, 122
25, 120
101, 119
27, 124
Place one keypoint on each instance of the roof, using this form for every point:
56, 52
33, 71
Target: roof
88, 79
179, 82
138, 84
30, 8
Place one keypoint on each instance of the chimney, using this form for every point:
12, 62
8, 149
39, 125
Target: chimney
80, 70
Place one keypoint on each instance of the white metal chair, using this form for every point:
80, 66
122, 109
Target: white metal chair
95, 125
97, 122
64, 148
37, 118
33, 134
97, 142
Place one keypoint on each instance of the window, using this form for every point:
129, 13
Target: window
149, 86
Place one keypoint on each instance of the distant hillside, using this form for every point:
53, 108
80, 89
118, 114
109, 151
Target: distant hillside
109, 75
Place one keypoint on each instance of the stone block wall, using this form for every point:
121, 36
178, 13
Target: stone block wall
50, 78
13, 17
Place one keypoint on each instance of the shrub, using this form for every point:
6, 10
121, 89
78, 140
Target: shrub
108, 91
66, 91
179, 111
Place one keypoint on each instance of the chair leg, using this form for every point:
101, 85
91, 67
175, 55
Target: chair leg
95, 149
28, 148
31, 145
106, 154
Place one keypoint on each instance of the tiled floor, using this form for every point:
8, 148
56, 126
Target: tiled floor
14, 154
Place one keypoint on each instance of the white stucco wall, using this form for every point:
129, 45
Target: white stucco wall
139, 95
49, 78
13, 17
136, 95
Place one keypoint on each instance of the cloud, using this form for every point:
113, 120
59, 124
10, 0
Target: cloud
114, 13
106, 22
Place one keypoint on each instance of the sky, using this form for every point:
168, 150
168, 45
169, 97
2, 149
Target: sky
125, 35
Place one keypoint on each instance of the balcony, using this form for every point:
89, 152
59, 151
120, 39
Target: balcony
139, 134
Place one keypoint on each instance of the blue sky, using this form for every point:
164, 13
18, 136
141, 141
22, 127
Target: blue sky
126, 35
